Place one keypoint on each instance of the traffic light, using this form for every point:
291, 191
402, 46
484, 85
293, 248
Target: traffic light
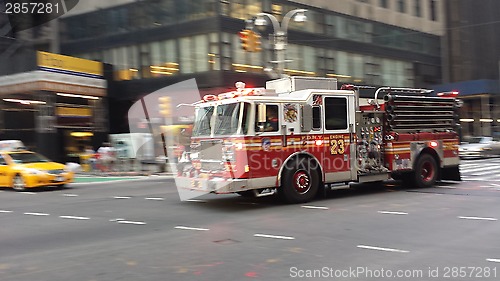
256, 42
245, 35
165, 106
250, 41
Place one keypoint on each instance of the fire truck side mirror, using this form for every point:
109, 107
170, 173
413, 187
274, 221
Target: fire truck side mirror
307, 118
261, 113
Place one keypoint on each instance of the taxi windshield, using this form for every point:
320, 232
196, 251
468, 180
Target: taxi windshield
28, 157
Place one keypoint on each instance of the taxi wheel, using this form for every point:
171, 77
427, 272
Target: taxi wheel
18, 183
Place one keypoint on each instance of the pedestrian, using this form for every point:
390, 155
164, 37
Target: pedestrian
91, 154
107, 157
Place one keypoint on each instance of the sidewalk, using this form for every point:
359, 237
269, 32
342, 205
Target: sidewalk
95, 177
122, 171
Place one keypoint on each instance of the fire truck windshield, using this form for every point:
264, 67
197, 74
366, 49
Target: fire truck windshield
202, 123
226, 120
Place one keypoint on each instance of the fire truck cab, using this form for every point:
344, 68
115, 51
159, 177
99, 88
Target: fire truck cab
301, 135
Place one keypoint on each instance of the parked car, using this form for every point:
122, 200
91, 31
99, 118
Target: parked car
479, 147
22, 169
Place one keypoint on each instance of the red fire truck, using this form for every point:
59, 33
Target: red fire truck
300, 136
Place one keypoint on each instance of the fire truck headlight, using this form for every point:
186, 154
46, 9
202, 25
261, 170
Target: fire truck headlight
433, 144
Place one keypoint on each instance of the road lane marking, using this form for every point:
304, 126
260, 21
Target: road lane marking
315, 207
480, 169
191, 228
483, 173
274, 236
5, 211
115, 220
28, 193
122, 197
155, 198
196, 200
36, 214
493, 260
70, 195
382, 249
74, 218
392, 213
478, 218
131, 222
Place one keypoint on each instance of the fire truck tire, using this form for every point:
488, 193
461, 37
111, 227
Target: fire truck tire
300, 182
426, 171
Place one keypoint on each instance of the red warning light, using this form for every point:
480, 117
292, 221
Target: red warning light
451, 94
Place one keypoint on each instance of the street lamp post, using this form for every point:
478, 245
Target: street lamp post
280, 33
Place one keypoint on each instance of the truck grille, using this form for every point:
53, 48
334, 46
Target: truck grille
211, 155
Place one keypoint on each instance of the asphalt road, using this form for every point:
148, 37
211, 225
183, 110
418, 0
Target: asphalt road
140, 230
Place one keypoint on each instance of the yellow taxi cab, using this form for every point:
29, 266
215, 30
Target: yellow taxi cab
23, 169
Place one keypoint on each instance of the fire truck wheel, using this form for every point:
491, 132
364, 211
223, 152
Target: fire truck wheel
300, 182
426, 171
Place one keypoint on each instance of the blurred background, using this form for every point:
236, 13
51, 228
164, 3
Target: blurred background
69, 83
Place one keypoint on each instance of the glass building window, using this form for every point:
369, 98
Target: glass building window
384, 3
253, 7
309, 59
372, 71
224, 7
417, 8
238, 9
214, 62
433, 10
277, 11
326, 62
329, 25
200, 49
186, 55
401, 6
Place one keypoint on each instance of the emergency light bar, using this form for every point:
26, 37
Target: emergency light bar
240, 91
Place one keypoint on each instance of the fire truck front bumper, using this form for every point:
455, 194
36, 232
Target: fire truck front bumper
213, 185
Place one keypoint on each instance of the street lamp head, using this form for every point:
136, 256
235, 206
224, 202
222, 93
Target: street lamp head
260, 21
300, 17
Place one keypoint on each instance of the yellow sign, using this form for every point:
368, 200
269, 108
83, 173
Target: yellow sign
73, 111
69, 65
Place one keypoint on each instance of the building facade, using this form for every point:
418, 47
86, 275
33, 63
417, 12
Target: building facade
155, 43
471, 64
152, 44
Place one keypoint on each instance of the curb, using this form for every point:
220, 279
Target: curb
129, 179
